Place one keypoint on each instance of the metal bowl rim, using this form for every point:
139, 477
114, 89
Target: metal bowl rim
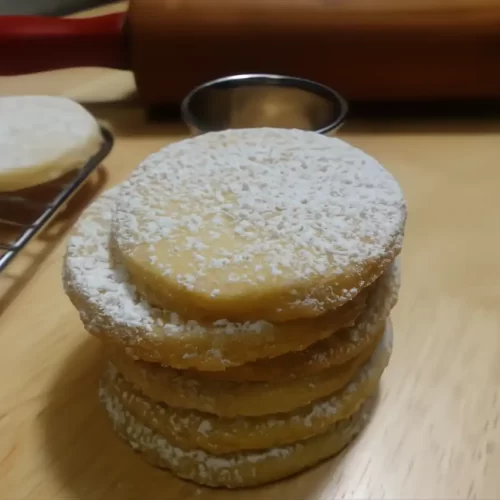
234, 81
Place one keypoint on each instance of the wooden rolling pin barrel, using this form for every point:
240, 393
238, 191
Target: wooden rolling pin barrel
368, 50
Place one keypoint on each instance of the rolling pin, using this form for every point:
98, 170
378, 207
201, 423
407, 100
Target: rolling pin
370, 50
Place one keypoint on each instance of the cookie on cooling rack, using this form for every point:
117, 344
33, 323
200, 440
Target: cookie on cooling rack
42, 138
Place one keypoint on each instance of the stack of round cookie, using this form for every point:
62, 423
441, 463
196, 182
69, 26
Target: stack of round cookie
241, 283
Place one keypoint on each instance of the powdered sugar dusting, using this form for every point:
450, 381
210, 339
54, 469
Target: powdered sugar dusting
232, 470
172, 454
379, 304
331, 406
211, 432
89, 269
38, 130
378, 308
109, 304
295, 205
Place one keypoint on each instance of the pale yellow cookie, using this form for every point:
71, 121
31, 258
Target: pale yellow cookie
238, 470
337, 349
334, 351
257, 224
189, 429
111, 309
42, 138
231, 399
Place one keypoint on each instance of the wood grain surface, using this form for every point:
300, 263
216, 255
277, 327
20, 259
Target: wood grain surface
436, 432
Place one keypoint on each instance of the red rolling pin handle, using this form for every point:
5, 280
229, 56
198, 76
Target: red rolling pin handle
30, 44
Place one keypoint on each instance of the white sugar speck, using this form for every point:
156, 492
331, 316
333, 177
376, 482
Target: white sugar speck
339, 209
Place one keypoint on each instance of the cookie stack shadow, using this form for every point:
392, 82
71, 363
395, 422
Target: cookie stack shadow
246, 329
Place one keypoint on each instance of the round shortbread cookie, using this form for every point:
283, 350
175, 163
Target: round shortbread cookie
42, 138
110, 308
238, 470
231, 399
337, 349
252, 224
317, 358
189, 429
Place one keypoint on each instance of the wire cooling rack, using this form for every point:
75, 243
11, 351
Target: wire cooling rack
45, 210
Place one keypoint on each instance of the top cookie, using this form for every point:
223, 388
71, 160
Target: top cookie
273, 224
43, 137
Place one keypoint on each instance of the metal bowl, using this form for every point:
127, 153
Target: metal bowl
261, 100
